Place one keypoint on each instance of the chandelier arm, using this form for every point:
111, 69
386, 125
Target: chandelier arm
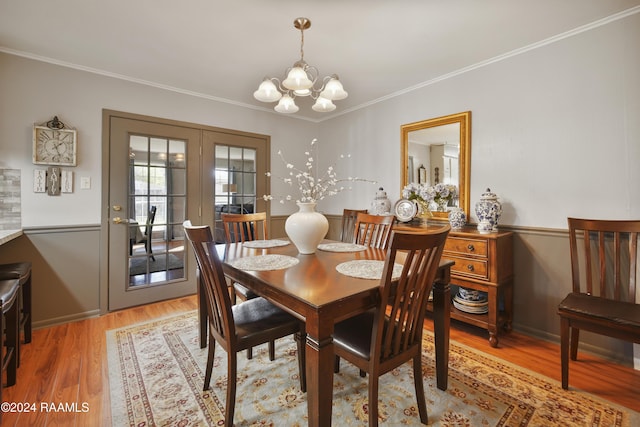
313, 73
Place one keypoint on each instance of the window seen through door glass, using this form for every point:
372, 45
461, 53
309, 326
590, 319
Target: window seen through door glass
235, 183
157, 208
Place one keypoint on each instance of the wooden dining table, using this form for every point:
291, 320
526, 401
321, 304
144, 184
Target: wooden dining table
314, 291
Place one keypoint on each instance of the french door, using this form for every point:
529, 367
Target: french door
153, 187
238, 163
160, 173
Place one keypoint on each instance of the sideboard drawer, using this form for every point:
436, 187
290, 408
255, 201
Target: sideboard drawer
483, 262
468, 267
466, 246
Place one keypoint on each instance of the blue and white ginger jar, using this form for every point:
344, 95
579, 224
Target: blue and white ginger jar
457, 218
488, 210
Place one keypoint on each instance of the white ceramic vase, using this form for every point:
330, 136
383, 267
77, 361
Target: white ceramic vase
306, 228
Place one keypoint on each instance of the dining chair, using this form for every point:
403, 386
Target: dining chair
241, 326
390, 334
146, 236
349, 217
373, 230
604, 296
243, 228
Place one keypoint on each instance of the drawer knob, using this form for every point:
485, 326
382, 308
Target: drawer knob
470, 267
470, 247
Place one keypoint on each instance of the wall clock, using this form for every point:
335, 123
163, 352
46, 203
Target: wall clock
54, 146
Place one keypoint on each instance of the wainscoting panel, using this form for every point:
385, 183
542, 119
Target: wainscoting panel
65, 271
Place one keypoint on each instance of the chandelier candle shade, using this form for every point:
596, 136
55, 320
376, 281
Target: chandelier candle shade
301, 80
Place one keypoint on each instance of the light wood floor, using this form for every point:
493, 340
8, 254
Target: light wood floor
68, 364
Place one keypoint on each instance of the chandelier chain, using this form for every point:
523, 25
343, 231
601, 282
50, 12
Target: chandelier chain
302, 44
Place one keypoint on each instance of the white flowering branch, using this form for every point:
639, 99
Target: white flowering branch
311, 186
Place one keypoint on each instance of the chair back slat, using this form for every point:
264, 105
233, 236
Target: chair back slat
349, 217
602, 263
399, 319
151, 217
245, 227
373, 230
606, 263
633, 264
211, 273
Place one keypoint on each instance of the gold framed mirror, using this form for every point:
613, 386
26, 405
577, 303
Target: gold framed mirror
428, 149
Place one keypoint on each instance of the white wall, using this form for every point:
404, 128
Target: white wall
555, 131
33, 92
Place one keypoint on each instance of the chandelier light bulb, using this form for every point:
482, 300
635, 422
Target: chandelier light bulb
323, 105
267, 92
286, 105
297, 79
333, 90
301, 80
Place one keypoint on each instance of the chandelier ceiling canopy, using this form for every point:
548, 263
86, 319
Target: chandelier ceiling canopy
301, 80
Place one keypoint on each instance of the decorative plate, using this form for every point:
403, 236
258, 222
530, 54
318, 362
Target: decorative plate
405, 210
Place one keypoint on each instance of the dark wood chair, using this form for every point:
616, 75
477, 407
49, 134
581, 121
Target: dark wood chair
604, 270
146, 236
386, 337
244, 228
373, 230
241, 326
349, 217
9, 331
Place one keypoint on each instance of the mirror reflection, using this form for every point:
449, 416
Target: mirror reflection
434, 153
437, 152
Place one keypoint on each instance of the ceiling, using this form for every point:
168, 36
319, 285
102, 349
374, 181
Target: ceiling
223, 49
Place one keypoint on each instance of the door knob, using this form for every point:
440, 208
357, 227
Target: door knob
118, 220
117, 208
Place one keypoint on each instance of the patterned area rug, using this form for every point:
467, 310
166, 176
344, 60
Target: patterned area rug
156, 374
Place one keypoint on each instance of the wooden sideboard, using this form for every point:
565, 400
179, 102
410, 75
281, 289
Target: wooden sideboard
483, 262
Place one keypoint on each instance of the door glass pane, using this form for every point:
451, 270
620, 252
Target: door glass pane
157, 208
234, 183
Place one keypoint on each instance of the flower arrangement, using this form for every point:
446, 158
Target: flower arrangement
311, 186
440, 193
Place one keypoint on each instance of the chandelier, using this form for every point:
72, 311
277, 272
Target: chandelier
301, 80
